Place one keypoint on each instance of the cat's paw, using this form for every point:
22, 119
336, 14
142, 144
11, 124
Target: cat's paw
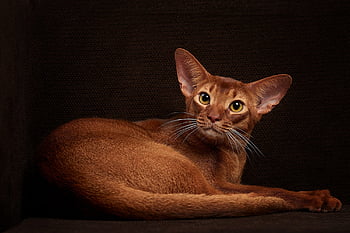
322, 201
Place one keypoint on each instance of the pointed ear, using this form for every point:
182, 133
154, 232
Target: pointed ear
189, 71
270, 91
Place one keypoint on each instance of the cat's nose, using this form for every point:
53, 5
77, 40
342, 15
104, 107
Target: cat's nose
214, 118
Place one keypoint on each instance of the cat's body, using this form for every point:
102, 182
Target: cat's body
185, 167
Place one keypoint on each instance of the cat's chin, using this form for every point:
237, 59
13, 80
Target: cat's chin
211, 133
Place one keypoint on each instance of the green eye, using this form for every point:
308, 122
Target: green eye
236, 106
204, 98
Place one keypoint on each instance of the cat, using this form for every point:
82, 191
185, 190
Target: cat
188, 166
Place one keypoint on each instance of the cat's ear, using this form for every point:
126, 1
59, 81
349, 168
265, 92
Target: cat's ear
189, 71
270, 91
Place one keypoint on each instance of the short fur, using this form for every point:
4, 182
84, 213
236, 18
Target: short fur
188, 166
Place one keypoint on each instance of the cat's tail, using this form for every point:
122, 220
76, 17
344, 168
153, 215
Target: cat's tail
127, 202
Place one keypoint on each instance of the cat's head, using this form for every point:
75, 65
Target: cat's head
222, 104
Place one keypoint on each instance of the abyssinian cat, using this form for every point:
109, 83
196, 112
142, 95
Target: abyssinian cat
188, 166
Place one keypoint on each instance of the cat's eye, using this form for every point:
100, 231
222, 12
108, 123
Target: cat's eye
204, 98
236, 106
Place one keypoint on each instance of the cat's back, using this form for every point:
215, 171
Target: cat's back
90, 129
102, 150
95, 127
87, 138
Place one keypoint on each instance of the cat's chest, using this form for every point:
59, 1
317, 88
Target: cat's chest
206, 162
218, 166
205, 159
215, 163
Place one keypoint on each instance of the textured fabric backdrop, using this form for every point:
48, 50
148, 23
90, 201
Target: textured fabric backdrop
115, 59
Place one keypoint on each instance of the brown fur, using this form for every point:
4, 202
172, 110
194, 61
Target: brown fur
153, 170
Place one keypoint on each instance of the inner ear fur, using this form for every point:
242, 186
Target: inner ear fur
270, 91
189, 71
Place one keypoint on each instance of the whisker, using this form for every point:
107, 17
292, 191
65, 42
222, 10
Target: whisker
242, 132
182, 120
182, 130
237, 143
230, 140
250, 146
193, 131
182, 125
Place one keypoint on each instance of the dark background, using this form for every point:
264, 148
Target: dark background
62, 60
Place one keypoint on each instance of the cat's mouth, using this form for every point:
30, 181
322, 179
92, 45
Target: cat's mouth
211, 131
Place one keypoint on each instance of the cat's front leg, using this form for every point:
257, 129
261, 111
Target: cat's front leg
315, 201
324, 201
